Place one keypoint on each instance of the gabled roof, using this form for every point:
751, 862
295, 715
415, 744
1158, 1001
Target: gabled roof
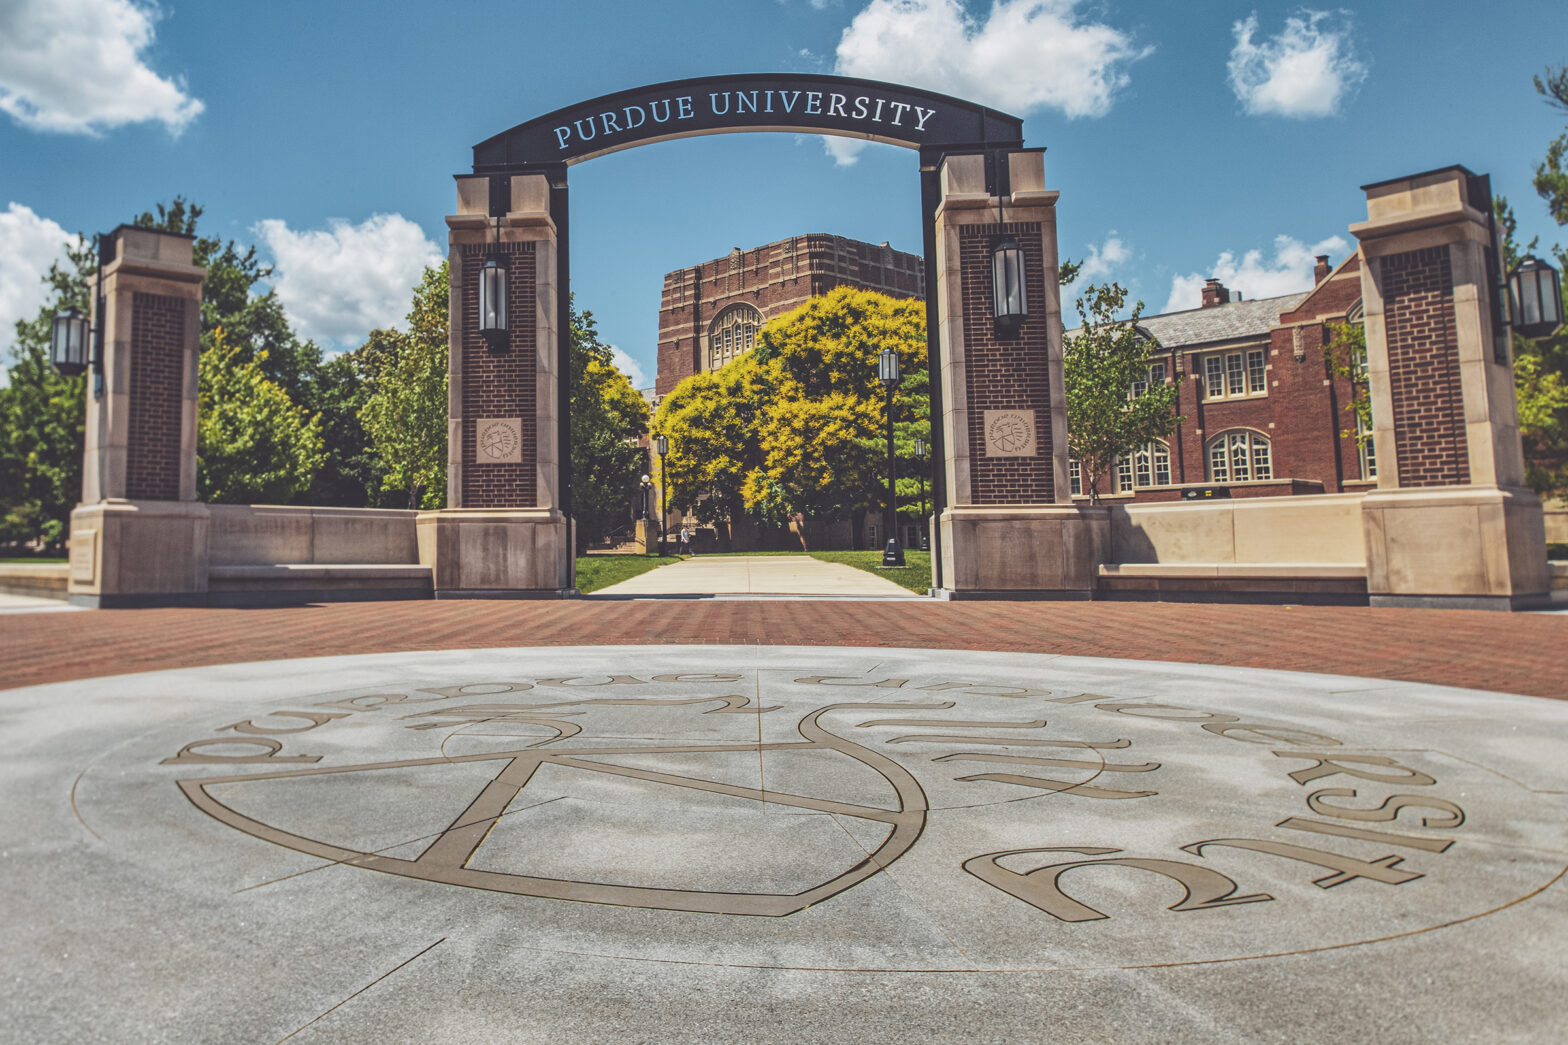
1235, 321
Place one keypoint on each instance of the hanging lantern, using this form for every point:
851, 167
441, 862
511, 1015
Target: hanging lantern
68, 342
1007, 275
492, 303
1537, 298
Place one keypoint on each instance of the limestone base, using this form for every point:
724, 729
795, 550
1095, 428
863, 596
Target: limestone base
138, 553
1049, 551
1480, 547
647, 538
492, 553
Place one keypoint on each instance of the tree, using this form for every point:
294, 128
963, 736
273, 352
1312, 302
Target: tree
607, 418
821, 428
253, 444
43, 415
709, 420
1100, 365
1540, 379
1551, 176
405, 405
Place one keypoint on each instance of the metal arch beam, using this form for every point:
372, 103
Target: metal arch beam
783, 102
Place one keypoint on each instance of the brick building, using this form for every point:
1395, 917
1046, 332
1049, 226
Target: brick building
1264, 412
711, 313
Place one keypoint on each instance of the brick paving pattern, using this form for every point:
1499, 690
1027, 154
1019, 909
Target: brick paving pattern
1513, 653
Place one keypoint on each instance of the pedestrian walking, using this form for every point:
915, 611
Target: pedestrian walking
685, 541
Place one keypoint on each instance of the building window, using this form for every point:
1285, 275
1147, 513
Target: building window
732, 333
1368, 449
1074, 477
1239, 457
1156, 380
1149, 465
1231, 375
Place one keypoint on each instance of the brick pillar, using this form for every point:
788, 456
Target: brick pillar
1009, 528
1451, 522
139, 537
502, 534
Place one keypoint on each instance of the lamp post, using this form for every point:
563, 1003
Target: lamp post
920, 454
887, 373
645, 484
661, 443
1537, 298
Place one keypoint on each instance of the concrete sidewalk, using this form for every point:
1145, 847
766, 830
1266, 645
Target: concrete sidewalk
757, 575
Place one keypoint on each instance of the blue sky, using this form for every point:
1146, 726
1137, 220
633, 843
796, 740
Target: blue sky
1187, 140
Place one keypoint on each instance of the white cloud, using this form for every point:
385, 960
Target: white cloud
29, 244
339, 283
1103, 258
1303, 72
1289, 273
76, 67
630, 367
1027, 55
1052, 59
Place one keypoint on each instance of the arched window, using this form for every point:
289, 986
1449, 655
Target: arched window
1239, 456
733, 332
1149, 465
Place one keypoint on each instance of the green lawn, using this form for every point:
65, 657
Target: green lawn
916, 576
34, 559
601, 571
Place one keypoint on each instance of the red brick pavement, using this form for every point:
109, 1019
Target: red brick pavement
1515, 653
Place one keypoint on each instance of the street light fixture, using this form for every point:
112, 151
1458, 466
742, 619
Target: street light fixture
920, 454
1537, 297
492, 303
68, 342
661, 444
888, 374
71, 332
646, 484
1010, 305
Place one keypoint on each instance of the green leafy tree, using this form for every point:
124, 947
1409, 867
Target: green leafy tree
1100, 365
1551, 175
253, 444
404, 410
43, 415
1540, 379
607, 418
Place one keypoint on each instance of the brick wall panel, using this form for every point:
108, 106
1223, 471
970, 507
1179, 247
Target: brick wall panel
1010, 373
500, 385
157, 376
1423, 360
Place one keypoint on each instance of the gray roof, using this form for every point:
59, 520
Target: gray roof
1232, 322
1236, 321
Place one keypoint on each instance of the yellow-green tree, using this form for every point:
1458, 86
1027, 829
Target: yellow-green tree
710, 420
822, 430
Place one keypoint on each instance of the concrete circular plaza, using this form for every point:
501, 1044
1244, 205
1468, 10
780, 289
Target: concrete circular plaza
784, 820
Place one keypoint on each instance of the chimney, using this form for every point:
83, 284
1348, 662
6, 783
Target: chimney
1321, 270
1214, 293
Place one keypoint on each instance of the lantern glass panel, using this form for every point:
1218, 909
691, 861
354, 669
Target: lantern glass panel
1007, 275
68, 340
887, 367
662, 444
492, 296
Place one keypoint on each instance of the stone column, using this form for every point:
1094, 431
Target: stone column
139, 538
1451, 523
1010, 528
503, 534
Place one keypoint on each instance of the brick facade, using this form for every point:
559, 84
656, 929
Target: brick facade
498, 385
157, 376
1423, 363
1304, 410
1005, 373
774, 279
